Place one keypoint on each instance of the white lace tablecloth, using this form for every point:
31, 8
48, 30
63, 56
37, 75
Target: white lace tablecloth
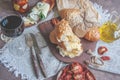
18, 60
20, 63
113, 65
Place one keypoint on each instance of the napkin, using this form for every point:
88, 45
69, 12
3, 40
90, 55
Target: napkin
19, 62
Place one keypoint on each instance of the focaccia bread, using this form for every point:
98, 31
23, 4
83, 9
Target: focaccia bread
68, 43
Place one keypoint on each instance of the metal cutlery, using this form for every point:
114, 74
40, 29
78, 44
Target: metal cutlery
37, 51
29, 43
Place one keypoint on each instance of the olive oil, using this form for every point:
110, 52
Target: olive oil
107, 32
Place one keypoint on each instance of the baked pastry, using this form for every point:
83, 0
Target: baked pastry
68, 43
93, 35
80, 19
73, 16
80, 30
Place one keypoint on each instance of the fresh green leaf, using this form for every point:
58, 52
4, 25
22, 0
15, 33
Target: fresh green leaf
42, 16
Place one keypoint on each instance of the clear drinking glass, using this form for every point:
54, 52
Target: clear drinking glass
11, 25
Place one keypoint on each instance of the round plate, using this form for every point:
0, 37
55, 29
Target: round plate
45, 29
85, 44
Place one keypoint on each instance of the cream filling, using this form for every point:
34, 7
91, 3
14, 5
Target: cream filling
69, 54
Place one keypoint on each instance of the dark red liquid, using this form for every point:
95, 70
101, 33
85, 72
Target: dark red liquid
12, 26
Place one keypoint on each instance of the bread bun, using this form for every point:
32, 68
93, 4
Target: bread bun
80, 31
53, 37
92, 35
68, 43
80, 16
73, 16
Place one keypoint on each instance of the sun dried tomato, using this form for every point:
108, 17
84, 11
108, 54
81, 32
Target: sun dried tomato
75, 71
21, 2
21, 6
62, 75
21, 10
64, 72
68, 77
89, 76
102, 50
105, 58
77, 68
77, 76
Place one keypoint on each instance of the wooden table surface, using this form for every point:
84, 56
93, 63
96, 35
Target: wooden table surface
100, 75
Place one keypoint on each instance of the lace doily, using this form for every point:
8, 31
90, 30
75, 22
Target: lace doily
15, 59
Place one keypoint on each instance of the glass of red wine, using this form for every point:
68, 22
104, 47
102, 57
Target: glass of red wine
11, 25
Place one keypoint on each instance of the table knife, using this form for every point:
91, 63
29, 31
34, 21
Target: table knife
37, 52
34, 62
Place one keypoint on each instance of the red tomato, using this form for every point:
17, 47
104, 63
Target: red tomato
89, 76
77, 68
21, 2
102, 50
73, 71
68, 77
21, 6
105, 58
22, 10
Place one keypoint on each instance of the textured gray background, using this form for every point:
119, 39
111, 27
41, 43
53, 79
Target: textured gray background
107, 4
